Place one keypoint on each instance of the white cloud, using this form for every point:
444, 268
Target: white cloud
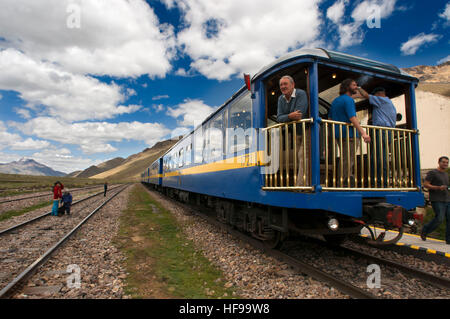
233, 36
158, 108
352, 33
191, 112
66, 95
61, 159
117, 37
24, 113
446, 14
180, 131
365, 9
413, 44
159, 97
443, 60
30, 144
15, 141
8, 158
92, 137
336, 12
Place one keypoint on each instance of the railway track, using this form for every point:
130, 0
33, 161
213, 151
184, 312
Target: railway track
437, 281
34, 219
24, 254
316, 272
45, 195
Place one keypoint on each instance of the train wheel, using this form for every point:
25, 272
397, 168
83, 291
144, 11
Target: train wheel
335, 240
276, 241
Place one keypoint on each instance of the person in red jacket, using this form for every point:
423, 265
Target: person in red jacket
57, 195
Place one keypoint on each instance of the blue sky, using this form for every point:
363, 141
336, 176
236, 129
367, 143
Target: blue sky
84, 81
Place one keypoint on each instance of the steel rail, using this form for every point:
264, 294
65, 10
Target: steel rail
37, 196
9, 289
3, 232
440, 282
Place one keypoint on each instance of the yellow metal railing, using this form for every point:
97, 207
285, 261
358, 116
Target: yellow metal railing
386, 163
288, 156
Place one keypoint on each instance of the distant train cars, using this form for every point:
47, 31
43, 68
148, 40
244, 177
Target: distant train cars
243, 163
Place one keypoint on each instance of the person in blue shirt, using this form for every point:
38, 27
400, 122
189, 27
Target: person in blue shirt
293, 106
343, 109
383, 114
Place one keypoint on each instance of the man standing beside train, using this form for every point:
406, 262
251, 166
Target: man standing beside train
292, 106
437, 183
343, 109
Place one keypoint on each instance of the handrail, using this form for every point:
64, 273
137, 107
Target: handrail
385, 164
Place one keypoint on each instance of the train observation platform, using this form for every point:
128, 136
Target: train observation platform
414, 242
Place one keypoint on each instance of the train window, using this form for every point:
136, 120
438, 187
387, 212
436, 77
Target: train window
239, 131
205, 149
188, 155
224, 135
198, 145
216, 137
175, 160
181, 158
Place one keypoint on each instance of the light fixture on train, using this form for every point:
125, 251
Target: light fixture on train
411, 222
333, 224
334, 75
273, 92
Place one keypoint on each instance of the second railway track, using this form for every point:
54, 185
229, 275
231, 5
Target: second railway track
23, 253
4, 230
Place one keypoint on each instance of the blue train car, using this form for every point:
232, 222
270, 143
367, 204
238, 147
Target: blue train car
248, 166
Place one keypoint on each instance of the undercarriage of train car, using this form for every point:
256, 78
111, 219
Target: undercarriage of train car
274, 224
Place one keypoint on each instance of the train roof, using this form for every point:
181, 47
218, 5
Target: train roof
337, 57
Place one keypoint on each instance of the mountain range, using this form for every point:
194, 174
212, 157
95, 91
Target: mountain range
129, 168
28, 167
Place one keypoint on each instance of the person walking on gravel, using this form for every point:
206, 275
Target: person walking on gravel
106, 188
437, 183
57, 195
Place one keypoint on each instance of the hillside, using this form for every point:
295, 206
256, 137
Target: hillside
431, 74
103, 167
134, 165
434, 79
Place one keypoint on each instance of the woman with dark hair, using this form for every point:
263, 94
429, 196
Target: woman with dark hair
57, 195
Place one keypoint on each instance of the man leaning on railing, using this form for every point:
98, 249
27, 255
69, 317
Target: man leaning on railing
343, 109
292, 106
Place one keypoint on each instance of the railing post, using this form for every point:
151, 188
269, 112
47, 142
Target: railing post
416, 136
315, 127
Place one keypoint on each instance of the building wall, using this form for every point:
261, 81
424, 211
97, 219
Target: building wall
433, 121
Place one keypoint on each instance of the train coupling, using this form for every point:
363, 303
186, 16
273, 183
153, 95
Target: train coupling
389, 215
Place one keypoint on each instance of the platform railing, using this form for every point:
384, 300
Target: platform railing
290, 168
386, 163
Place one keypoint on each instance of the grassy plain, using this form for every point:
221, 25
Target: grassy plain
13, 184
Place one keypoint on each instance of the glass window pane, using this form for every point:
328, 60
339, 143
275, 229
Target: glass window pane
239, 132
